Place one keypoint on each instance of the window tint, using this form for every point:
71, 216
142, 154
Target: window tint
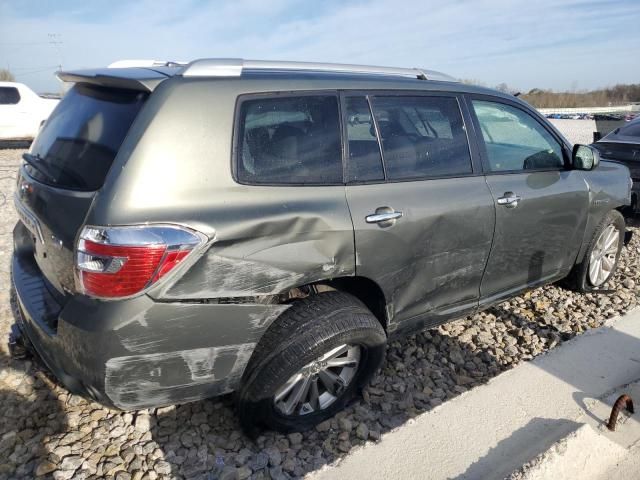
290, 140
81, 138
422, 137
365, 162
515, 140
9, 96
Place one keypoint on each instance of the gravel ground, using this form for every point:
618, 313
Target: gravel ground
47, 432
576, 131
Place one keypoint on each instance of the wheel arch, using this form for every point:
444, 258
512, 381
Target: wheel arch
368, 292
363, 288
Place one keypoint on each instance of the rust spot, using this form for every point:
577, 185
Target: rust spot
623, 401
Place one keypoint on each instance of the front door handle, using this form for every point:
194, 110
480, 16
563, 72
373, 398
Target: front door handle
509, 200
384, 216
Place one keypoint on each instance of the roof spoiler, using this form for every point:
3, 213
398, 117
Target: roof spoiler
129, 63
143, 79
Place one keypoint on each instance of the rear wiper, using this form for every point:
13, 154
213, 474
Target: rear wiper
35, 161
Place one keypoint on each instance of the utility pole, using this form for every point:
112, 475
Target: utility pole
55, 39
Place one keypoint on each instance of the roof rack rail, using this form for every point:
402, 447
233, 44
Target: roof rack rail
145, 63
234, 67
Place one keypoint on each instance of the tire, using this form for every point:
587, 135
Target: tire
580, 278
291, 348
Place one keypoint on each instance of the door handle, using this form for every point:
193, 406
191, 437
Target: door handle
384, 216
509, 200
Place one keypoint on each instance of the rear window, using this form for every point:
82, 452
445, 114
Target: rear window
9, 96
79, 141
289, 140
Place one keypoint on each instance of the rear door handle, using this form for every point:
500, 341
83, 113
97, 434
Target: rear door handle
509, 200
384, 216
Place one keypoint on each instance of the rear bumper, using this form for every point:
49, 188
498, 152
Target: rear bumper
137, 353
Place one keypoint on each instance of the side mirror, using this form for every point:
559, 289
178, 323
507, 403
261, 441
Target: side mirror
585, 157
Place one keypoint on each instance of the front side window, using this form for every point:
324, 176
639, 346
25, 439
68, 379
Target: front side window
515, 140
9, 96
422, 137
289, 140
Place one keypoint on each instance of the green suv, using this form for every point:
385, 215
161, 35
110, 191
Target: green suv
264, 228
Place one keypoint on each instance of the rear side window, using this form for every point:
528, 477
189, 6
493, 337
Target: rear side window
79, 141
422, 137
364, 162
289, 140
9, 96
515, 140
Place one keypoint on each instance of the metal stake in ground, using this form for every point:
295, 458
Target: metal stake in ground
623, 401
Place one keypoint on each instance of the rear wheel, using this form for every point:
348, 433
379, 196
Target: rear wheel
310, 363
602, 255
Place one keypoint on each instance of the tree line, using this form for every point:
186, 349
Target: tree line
6, 75
604, 97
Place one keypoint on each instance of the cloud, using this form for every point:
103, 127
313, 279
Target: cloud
542, 43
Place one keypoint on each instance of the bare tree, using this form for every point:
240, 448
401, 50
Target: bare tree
6, 75
503, 87
473, 81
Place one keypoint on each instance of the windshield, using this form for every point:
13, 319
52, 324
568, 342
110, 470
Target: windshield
79, 141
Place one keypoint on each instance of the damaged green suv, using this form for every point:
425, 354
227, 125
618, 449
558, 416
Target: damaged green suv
189, 230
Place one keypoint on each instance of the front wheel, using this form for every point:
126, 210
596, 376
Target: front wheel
602, 255
310, 363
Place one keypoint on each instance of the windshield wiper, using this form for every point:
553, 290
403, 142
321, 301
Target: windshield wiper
35, 161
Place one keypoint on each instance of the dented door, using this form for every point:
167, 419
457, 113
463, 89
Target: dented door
422, 238
429, 263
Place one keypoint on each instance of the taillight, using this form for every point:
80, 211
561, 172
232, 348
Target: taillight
116, 262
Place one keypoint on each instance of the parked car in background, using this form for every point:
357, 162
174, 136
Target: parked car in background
623, 145
266, 227
22, 111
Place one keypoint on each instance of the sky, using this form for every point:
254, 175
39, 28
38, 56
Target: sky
554, 44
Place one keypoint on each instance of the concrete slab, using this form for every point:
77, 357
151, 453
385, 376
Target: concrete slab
494, 429
584, 454
628, 468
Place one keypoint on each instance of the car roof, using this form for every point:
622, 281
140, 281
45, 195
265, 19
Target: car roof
10, 84
619, 135
148, 78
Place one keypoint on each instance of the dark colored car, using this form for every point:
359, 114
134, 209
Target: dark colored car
192, 230
623, 145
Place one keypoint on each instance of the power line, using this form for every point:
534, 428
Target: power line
23, 43
54, 67
55, 40
13, 69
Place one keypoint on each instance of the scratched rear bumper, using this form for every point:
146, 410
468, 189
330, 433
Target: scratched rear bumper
138, 353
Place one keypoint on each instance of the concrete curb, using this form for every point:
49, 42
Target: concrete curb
493, 430
584, 454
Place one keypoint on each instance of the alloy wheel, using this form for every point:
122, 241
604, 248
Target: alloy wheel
319, 383
603, 256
